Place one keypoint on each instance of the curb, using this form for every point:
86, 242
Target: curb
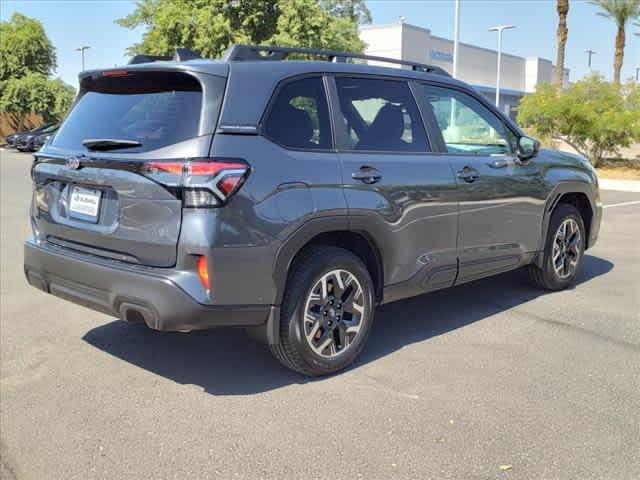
619, 185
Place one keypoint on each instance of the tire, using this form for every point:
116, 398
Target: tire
343, 327
548, 277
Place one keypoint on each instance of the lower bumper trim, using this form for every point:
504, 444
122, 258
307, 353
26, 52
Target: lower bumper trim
132, 296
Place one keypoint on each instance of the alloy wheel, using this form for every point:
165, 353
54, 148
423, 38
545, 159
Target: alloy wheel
334, 313
566, 248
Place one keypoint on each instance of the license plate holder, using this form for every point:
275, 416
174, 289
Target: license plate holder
84, 204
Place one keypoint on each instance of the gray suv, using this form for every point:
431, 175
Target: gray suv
293, 197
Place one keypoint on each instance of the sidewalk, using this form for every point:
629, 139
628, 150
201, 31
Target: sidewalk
619, 185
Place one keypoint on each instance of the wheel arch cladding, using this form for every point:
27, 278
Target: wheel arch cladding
581, 202
359, 243
579, 194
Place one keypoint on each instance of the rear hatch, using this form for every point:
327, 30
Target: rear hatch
97, 188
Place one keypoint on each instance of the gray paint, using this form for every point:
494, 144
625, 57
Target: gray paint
429, 229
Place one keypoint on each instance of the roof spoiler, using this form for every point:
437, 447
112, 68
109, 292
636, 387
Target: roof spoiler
181, 55
237, 53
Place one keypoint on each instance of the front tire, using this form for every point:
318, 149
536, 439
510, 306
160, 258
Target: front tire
327, 312
563, 251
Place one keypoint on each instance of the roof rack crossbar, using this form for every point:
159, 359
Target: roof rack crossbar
180, 55
261, 52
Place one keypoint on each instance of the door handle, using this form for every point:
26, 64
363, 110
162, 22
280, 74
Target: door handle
469, 174
367, 175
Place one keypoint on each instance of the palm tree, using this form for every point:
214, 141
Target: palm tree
621, 12
562, 7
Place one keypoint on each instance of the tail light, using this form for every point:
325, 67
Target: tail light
202, 182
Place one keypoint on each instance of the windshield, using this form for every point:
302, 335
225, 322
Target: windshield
154, 109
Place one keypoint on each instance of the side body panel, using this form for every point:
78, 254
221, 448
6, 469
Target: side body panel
500, 214
289, 197
410, 211
412, 215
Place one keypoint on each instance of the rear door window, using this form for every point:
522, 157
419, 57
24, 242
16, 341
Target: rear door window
299, 116
380, 115
156, 109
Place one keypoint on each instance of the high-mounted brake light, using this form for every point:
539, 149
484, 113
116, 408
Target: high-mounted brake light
203, 183
115, 73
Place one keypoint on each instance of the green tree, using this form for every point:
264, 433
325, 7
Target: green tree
24, 47
28, 58
211, 26
595, 117
34, 93
621, 12
62, 96
355, 10
306, 23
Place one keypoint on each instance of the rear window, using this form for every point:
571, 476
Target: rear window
156, 109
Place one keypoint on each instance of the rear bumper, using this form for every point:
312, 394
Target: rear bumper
130, 295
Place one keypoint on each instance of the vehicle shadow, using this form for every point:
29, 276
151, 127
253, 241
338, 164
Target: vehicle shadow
227, 362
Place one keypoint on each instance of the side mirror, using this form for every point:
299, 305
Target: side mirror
528, 148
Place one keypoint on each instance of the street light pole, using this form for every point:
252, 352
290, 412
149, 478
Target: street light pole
590, 53
637, 73
499, 29
81, 50
456, 39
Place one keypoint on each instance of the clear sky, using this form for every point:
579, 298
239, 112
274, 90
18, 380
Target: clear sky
71, 23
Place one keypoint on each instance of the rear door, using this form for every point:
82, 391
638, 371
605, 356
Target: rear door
110, 199
395, 186
501, 198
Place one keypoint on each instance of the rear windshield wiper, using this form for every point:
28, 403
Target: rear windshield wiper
109, 143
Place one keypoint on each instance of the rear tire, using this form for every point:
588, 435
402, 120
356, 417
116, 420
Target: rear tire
327, 312
563, 250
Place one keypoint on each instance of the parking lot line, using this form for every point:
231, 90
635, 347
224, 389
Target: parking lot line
623, 204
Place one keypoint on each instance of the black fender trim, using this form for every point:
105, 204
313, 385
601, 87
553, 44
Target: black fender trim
563, 188
300, 237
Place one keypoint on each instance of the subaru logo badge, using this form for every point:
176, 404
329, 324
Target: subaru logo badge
73, 162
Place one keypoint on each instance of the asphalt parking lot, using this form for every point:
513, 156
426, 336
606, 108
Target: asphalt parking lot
488, 380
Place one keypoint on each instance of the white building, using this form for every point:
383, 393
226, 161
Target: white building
476, 65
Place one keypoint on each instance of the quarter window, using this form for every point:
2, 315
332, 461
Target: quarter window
467, 126
380, 115
299, 117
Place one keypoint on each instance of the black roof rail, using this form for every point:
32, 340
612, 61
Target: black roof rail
237, 53
184, 54
181, 55
144, 58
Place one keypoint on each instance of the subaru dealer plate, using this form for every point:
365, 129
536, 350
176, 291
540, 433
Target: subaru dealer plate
84, 204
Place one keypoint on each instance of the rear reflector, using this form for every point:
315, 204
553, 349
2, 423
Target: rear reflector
203, 272
229, 183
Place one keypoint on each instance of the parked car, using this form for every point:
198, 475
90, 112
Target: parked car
293, 197
13, 138
45, 135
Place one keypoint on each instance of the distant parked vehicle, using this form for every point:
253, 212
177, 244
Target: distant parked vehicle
37, 141
14, 137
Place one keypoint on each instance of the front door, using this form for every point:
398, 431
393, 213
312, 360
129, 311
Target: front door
501, 198
394, 186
